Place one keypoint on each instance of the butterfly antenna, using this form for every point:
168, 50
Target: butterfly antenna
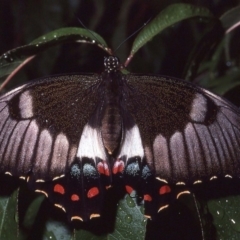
199, 217
132, 34
94, 36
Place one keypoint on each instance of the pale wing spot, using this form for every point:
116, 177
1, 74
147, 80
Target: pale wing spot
91, 144
22, 177
163, 207
220, 142
40, 180
179, 163
26, 104
8, 173
76, 218
147, 216
132, 169
4, 118
211, 160
3, 107
161, 156
180, 183
71, 155
14, 143
89, 170
60, 206
75, 170
181, 193
197, 182
27, 149
40, 191
132, 144
213, 177
198, 108
5, 135
43, 153
228, 176
60, 153
55, 178
149, 156
193, 146
162, 180
94, 215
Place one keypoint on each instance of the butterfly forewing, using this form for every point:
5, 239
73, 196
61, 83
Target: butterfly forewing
190, 134
50, 114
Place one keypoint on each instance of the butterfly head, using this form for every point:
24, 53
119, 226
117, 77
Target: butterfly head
111, 64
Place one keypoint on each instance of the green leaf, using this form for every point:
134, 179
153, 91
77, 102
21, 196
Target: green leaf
32, 211
71, 34
169, 16
231, 19
127, 223
18, 57
225, 213
130, 223
8, 223
222, 85
213, 35
220, 57
56, 230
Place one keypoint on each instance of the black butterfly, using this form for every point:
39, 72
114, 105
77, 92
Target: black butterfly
71, 137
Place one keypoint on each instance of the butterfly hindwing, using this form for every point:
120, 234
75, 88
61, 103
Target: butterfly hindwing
79, 192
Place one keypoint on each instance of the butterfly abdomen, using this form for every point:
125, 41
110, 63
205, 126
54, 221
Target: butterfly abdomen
111, 122
111, 128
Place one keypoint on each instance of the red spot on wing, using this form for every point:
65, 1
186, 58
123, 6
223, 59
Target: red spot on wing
92, 192
103, 168
59, 189
128, 189
147, 197
118, 166
75, 197
164, 189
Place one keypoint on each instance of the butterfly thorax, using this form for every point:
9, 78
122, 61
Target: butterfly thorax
111, 123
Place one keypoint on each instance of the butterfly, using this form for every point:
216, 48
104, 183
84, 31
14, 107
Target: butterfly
71, 137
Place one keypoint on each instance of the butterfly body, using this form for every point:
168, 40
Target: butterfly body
73, 136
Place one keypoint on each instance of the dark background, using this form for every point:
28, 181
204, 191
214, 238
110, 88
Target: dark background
23, 21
